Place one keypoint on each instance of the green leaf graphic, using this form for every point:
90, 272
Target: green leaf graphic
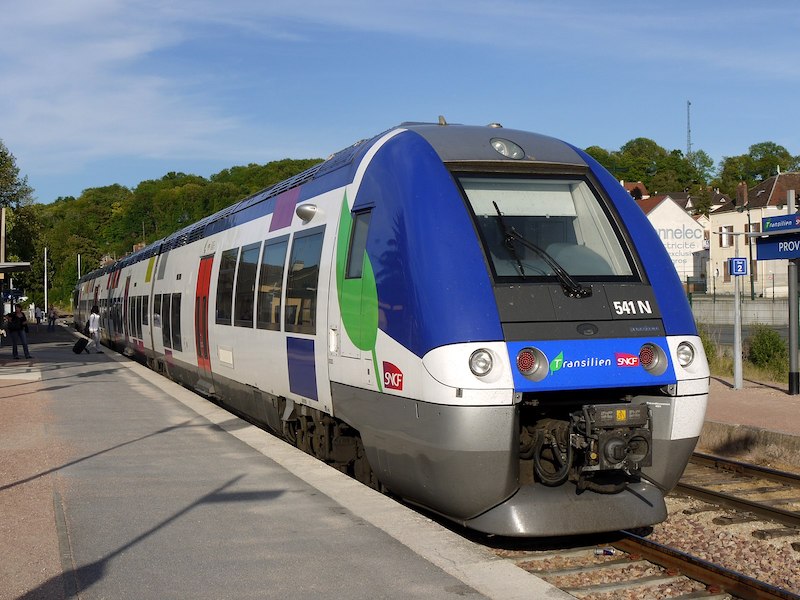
358, 297
557, 362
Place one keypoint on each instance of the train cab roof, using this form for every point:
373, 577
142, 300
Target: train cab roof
493, 143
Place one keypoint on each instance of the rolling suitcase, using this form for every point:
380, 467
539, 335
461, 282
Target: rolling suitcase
80, 345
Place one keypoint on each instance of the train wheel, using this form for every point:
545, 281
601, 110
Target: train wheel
362, 470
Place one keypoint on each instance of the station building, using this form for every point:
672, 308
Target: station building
767, 199
685, 237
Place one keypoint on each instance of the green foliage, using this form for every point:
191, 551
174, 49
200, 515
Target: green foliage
108, 221
767, 350
761, 162
14, 191
661, 171
709, 343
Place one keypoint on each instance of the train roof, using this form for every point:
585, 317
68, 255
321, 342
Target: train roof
453, 144
457, 143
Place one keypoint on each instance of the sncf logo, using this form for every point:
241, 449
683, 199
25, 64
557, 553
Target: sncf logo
626, 360
392, 377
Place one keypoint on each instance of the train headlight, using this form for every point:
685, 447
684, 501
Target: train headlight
685, 354
653, 359
508, 148
481, 362
532, 363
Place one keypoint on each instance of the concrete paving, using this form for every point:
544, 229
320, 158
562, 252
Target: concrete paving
117, 483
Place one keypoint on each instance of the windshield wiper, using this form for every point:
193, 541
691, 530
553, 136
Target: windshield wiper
571, 288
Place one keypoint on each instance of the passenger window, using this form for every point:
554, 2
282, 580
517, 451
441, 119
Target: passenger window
270, 284
301, 286
145, 312
227, 271
246, 285
176, 322
166, 330
162, 266
138, 315
358, 245
157, 310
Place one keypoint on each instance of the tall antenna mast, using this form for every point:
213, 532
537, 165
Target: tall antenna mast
688, 129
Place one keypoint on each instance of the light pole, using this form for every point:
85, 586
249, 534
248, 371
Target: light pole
743, 203
750, 248
737, 310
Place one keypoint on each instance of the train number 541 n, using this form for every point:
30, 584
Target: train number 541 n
631, 307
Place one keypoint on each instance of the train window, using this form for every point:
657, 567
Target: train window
137, 315
166, 329
301, 286
270, 284
358, 245
227, 273
145, 310
557, 221
128, 316
157, 310
246, 285
175, 317
162, 265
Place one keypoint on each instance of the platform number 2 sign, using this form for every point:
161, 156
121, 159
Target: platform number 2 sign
737, 266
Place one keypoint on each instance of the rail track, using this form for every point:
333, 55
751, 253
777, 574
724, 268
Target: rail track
631, 566
634, 567
757, 492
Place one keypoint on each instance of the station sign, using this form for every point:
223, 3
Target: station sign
737, 266
780, 238
777, 247
780, 223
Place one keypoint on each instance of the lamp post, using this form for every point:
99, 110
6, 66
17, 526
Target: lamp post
742, 204
750, 248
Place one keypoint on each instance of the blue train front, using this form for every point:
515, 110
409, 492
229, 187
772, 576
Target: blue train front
550, 371
478, 319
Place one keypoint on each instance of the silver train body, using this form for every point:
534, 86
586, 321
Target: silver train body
478, 320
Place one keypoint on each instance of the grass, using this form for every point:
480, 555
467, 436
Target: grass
720, 361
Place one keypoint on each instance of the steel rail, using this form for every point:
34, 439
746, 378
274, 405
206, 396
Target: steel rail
746, 469
780, 515
766, 511
732, 582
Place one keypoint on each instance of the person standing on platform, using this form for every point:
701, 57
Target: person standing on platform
18, 329
51, 318
94, 330
39, 314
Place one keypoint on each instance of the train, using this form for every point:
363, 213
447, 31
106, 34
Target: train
477, 320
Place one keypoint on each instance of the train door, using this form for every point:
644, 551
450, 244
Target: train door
353, 327
201, 315
125, 312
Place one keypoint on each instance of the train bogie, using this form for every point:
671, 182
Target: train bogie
478, 320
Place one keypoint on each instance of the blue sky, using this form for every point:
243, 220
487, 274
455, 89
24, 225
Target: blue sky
96, 92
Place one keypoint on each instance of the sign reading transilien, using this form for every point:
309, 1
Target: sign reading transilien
785, 243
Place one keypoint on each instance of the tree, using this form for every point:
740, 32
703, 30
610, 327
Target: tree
14, 191
641, 159
23, 234
762, 161
703, 165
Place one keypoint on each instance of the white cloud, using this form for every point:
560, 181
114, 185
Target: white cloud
89, 79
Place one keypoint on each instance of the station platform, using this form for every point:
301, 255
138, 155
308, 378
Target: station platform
117, 483
759, 422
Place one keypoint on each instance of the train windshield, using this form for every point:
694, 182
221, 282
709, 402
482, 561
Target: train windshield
531, 227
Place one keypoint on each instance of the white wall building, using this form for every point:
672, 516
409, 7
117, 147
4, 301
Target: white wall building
684, 238
767, 199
